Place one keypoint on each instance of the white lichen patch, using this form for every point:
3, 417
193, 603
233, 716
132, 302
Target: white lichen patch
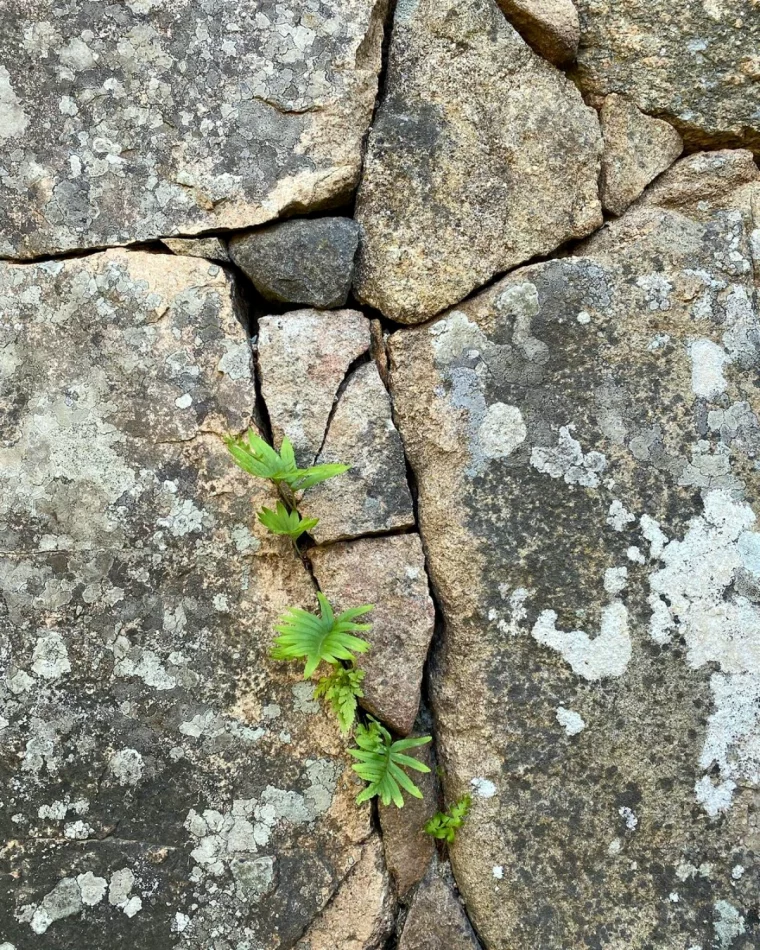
92, 888
571, 721
567, 461
13, 118
619, 516
50, 658
64, 900
607, 655
127, 766
483, 787
501, 431
729, 924
615, 580
707, 363
693, 593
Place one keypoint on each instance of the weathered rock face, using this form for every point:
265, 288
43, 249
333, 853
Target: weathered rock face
695, 63
389, 573
303, 357
164, 784
307, 261
551, 27
373, 496
481, 156
586, 441
122, 122
637, 148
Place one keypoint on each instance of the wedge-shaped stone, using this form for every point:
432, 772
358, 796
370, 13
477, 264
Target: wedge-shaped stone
481, 156
127, 121
389, 573
436, 918
551, 27
303, 357
698, 67
373, 496
162, 777
585, 437
637, 148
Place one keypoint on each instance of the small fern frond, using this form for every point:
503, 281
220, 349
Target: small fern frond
341, 688
285, 522
381, 763
445, 824
255, 456
320, 638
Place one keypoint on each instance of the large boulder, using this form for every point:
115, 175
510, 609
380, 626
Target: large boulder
481, 156
694, 64
164, 782
121, 122
586, 441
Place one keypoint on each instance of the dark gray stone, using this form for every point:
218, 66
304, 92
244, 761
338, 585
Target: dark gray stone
436, 919
306, 261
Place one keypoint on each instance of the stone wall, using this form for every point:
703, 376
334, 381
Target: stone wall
502, 259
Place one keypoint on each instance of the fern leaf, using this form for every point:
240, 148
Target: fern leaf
286, 522
445, 824
309, 477
320, 638
258, 458
381, 764
341, 688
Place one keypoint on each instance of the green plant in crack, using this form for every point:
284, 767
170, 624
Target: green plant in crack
381, 763
256, 457
324, 638
445, 824
341, 689
284, 522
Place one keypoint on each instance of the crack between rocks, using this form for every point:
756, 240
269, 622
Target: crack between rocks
360, 360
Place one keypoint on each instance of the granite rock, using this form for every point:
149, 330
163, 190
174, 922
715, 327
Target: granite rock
436, 919
408, 850
164, 782
585, 438
389, 573
303, 357
373, 496
637, 148
304, 261
361, 915
481, 156
694, 64
129, 121
551, 27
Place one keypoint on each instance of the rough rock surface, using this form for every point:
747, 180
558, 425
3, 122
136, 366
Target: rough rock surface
695, 63
374, 496
164, 783
408, 850
637, 148
586, 441
306, 261
128, 121
389, 573
362, 913
481, 156
436, 919
303, 357
551, 27
212, 248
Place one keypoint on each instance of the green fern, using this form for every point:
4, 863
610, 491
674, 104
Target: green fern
341, 688
327, 637
285, 522
259, 459
445, 824
381, 764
